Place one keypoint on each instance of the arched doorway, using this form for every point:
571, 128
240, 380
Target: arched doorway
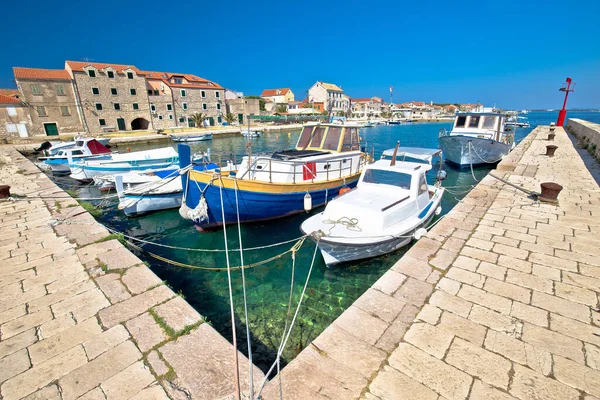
139, 124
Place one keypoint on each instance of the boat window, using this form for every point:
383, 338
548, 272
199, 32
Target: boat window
489, 122
350, 139
460, 121
333, 138
317, 136
423, 184
77, 153
474, 122
385, 177
79, 143
305, 137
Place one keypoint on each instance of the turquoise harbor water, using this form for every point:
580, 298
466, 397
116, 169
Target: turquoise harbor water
329, 292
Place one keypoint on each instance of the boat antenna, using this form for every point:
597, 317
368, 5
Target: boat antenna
393, 162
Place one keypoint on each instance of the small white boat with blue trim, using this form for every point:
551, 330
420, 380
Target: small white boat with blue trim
86, 170
191, 138
390, 205
85, 149
251, 133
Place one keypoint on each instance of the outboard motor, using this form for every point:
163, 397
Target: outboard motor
43, 147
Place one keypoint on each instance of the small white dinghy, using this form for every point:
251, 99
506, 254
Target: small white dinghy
385, 212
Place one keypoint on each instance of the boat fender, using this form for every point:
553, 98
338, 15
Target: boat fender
441, 175
419, 233
438, 210
344, 189
307, 202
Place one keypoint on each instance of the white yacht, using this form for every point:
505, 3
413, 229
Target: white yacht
476, 138
386, 211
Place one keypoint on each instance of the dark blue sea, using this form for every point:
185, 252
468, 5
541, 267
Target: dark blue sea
329, 292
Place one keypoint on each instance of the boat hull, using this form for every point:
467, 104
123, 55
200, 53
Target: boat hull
137, 205
258, 201
87, 173
464, 151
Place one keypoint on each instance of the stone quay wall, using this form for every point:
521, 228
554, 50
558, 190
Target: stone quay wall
588, 134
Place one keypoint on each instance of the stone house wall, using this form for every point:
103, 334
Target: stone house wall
161, 97
126, 101
10, 122
205, 101
47, 100
241, 107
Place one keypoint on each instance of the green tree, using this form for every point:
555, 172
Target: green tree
230, 118
281, 108
198, 118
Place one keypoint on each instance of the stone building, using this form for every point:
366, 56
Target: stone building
367, 107
52, 101
15, 120
241, 107
113, 96
329, 94
278, 96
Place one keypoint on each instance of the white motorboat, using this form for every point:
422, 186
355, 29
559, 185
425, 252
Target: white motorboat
86, 170
85, 149
517, 121
476, 138
394, 122
57, 146
251, 133
194, 138
385, 212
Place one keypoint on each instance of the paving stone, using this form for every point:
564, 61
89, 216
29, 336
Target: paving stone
17, 342
530, 281
424, 248
48, 348
592, 356
94, 394
361, 324
414, 291
581, 280
575, 329
13, 364
178, 314
495, 320
380, 305
448, 285
486, 299
139, 279
465, 276
554, 262
480, 244
396, 330
483, 391
515, 263
451, 303
391, 384
105, 341
589, 270
158, 365
119, 258
56, 297
48, 393
576, 294
24, 323
462, 327
561, 306
429, 339
128, 382
453, 244
113, 288
55, 326
134, 306
507, 346
204, 361
413, 267
13, 313
433, 373
430, 314
42, 374
83, 305
155, 392
507, 290
6, 303
491, 270
443, 259
470, 264
553, 342
577, 375
146, 332
528, 313
489, 367
389, 282
90, 375
528, 384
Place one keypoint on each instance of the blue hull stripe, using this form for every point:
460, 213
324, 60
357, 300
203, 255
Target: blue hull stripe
425, 210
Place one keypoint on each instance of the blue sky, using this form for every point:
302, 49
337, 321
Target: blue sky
512, 54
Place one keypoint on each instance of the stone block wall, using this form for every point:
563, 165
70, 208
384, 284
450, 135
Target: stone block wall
205, 101
6, 119
587, 132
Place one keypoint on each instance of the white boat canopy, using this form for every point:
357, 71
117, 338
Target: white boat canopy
417, 153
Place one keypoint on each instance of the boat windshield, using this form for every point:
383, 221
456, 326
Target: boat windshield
461, 120
489, 122
386, 177
305, 137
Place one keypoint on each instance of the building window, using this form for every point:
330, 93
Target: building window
99, 106
95, 91
156, 92
117, 106
60, 90
102, 122
184, 105
36, 90
181, 119
132, 92
12, 111
178, 81
113, 91
64, 110
153, 107
136, 106
218, 106
204, 106
149, 92
219, 119
171, 116
169, 107
160, 117
41, 110
203, 94
130, 75
91, 73
110, 74
217, 95
183, 93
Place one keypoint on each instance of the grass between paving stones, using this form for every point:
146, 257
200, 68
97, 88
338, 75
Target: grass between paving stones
170, 331
92, 209
117, 236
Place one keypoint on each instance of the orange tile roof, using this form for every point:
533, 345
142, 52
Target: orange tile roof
194, 81
273, 92
10, 92
80, 65
8, 99
361, 100
38, 73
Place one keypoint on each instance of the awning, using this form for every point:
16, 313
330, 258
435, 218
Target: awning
418, 153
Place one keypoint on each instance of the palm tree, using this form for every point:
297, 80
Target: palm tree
229, 118
281, 108
198, 119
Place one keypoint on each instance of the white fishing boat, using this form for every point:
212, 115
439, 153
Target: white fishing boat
52, 148
86, 170
394, 122
133, 178
517, 121
476, 138
370, 124
85, 149
251, 133
192, 138
390, 205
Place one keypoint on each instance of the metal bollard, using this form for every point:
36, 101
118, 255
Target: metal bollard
550, 192
550, 149
4, 191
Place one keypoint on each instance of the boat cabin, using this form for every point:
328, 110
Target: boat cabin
329, 137
480, 124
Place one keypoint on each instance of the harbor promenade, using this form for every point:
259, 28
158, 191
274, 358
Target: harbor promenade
498, 301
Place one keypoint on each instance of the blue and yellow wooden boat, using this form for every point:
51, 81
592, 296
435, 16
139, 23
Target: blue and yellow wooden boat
326, 159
